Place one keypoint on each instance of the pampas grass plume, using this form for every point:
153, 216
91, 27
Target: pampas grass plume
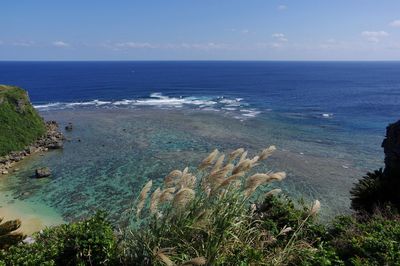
183, 197
218, 163
199, 261
273, 192
267, 152
169, 179
155, 198
209, 159
166, 195
315, 208
236, 153
143, 196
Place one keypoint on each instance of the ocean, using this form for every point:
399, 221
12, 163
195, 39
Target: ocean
135, 121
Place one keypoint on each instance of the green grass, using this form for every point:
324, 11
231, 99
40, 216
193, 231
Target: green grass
19, 125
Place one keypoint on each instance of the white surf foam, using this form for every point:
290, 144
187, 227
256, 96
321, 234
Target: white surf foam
157, 99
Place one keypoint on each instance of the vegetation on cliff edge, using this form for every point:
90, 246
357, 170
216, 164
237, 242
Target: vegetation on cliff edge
20, 124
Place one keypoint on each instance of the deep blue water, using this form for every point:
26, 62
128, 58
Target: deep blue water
358, 95
139, 120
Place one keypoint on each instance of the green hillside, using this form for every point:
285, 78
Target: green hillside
20, 124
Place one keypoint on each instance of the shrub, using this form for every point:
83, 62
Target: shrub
368, 241
90, 242
369, 193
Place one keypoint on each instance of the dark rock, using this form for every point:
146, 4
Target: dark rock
68, 127
391, 148
55, 145
42, 172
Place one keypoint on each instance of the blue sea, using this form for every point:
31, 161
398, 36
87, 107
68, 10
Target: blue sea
135, 121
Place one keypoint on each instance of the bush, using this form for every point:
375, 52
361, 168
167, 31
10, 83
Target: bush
90, 242
367, 241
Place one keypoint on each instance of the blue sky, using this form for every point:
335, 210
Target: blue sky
200, 30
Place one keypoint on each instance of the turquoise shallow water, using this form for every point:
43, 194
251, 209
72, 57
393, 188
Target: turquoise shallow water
111, 153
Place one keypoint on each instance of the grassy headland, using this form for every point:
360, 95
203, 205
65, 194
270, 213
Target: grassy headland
20, 124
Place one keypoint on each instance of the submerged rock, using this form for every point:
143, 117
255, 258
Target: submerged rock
43, 172
68, 127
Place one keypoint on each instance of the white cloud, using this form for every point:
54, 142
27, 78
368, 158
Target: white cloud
202, 46
282, 7
395, 23
135, 45
60, 44
279, 37
23, 43
145, 45
374, 36
244, 31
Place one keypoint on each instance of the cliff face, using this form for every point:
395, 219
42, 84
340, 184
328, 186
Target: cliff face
20, 124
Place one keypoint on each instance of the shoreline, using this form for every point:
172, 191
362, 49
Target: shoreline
53, 139
33, 217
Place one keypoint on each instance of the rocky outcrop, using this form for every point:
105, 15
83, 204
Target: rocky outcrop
391, 148
43, 172
381, 188
53, 139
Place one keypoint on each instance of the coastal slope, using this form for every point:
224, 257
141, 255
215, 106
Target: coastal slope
20, 124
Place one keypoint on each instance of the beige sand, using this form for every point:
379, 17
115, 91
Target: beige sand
34, 217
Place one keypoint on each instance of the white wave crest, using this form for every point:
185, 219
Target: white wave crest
157, 99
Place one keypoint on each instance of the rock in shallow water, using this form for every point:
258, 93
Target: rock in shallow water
42, 172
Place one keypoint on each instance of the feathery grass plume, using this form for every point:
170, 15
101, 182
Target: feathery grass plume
187, 180
242, 166
185, 171
216, 178
218, 163
167, 195
267, 152
155, 198
209, 159
231, 178
183, 197
278, 176
169, 180
143, 197
242, 157
315, 208
164, 258
273, 192
254, 181
285, 230
199, 261
255, 160
236, 153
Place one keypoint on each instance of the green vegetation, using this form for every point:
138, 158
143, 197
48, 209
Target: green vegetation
90, 242
20, 123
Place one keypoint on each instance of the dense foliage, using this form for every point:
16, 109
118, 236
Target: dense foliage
20, 123
90, 242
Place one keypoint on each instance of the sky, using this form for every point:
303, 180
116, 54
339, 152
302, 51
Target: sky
200, 30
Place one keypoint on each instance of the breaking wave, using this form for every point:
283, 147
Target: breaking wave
235, 106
